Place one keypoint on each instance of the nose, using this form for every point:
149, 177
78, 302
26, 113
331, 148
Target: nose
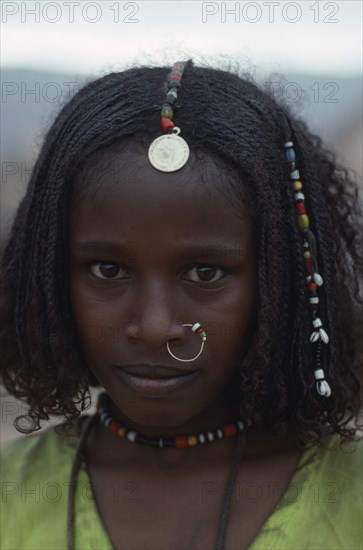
154, 314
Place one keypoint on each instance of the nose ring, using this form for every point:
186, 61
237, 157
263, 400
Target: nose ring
198, 330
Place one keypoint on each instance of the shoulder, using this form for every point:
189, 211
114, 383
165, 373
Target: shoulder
35, 474
329, 475
37, 454
338, 461
322, 506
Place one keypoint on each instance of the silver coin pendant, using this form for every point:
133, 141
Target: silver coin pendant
169, 152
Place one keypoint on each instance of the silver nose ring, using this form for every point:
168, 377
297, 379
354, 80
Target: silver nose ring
197, 329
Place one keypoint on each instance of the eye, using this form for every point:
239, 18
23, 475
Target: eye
107, 270
206, 273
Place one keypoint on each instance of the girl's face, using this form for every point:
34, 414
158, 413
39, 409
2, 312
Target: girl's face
150, 251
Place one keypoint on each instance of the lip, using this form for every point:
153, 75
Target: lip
155, 387
147, 370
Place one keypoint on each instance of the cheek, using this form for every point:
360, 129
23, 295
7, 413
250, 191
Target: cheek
233, 323
95, 329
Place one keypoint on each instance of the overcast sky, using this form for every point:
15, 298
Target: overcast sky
94, 37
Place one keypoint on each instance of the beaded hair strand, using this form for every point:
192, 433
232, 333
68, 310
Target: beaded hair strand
314, 280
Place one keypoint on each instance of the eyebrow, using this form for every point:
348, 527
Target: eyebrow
213, 249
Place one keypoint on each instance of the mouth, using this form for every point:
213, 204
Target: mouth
153, 371
154, 381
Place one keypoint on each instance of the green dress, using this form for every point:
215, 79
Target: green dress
321, 509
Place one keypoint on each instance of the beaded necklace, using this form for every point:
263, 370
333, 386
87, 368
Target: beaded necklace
179, 442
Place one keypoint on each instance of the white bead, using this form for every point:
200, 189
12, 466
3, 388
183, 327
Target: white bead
210, 436
195, 327
289, 144
131, 436
160, 443
295, 175
314, 337
240, 424
308, 278
319, 374
299, 196
324, 336
318, 279
219, 433
323, 388
201, 438
317, 323
108, 421
314, 300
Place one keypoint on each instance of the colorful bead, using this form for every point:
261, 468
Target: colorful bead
114, 427
300, 208
297, 185
318, 279
131, 436
229, 430
167, 124
303, 221
167, 111
179, 442
197, 328
290, 154
295, 175
299, 196
171, 96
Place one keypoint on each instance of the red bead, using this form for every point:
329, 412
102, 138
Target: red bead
199, 330
308, 265
313, 286
181, 442
175, 77
166, 124
114, 427
229, 430
300, 208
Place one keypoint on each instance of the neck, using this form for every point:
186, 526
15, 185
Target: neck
224, 411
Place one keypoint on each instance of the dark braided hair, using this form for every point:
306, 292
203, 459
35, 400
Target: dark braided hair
232, 121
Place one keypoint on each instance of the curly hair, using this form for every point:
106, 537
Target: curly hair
228, 117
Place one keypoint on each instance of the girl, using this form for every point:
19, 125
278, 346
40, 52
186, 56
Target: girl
204, 274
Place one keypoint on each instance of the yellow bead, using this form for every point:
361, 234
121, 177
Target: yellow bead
303, 221
121, 432
192, 440
307, 255
297, 185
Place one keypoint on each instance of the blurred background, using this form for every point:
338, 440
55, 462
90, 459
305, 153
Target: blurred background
312, 50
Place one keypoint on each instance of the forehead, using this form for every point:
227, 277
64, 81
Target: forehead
121, 194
